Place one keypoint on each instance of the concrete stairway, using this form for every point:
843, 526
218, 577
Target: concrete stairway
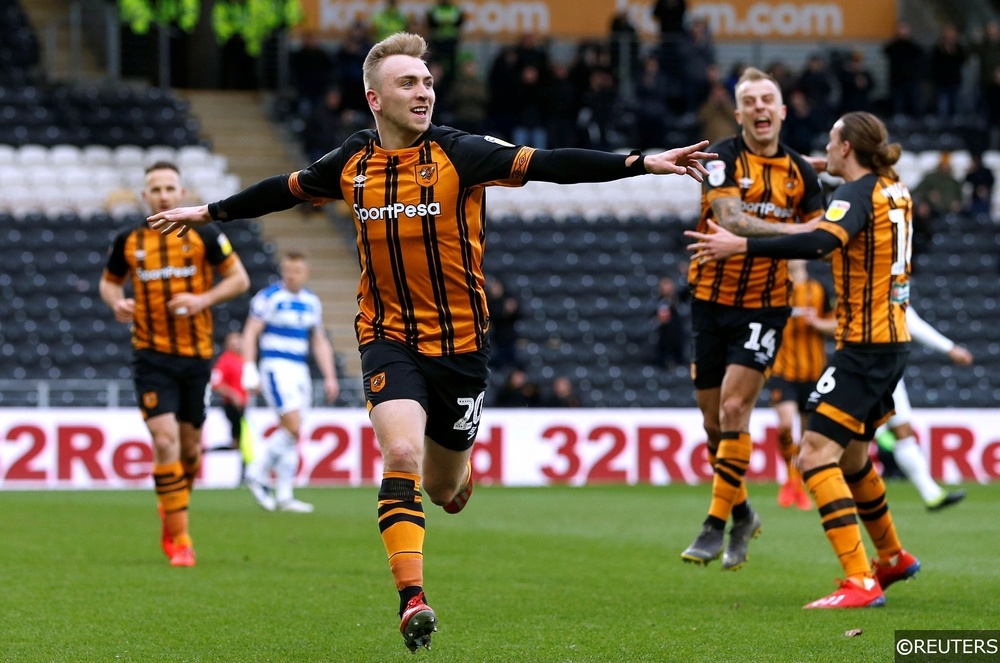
238, 127
50, 20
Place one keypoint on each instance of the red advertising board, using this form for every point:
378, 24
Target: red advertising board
108, 448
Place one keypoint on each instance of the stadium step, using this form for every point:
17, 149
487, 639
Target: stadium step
237, 125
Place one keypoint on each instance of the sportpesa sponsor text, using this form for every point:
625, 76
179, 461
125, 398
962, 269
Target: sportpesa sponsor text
396, 210
768, 209
168, 272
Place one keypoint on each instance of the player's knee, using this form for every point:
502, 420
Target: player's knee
734, 410
401, 456
165, 443
818, 451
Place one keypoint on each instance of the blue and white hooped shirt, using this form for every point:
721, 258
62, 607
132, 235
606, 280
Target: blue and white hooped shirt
289, 318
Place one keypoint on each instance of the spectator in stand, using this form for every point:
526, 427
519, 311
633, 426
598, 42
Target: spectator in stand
349, 61
562, 107
991, 100
924, 220
803, 124
816, 83
623, 46
504, 77
670, 16
986, 49
717, 116
505, 311
312, 71
469, 97
531, 94
562, 394
590, 57
598, 110
981, 181
698, 54
651, 112
388, 21
780, 72
670, 350
940, 188
530, 53
906, 64
518, 390
444, 24
329, 124
733, 75
946, 63
856, 84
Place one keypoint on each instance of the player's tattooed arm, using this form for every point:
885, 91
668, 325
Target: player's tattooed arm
729, 214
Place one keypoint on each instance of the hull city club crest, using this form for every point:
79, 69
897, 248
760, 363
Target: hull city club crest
426, 174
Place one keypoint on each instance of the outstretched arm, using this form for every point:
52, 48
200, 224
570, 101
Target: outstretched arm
270, 195
573, 166
728, 212
721, 244
923, 333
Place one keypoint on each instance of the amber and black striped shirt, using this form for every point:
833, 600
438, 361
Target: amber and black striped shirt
871, 217
160, 267
419, 214
781, 189
802, 355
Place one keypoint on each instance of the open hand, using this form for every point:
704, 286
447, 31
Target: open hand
717, 244
681, 161
180, 219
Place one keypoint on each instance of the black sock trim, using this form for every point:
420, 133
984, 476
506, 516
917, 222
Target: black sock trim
395, 488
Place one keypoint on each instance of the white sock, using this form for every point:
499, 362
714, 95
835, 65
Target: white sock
265, 456
911, 460
285, 466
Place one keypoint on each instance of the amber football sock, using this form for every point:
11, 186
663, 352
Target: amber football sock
868, 490
174, 496
837, 512
731, 464
401, 522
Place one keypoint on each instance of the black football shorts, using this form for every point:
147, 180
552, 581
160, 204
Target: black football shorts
853, 397
725, 335
451, 388
171, 383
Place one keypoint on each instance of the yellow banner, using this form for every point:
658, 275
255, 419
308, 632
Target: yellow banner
729, 20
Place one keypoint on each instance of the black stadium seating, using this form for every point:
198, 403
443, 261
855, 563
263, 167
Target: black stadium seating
585, 288
585, 283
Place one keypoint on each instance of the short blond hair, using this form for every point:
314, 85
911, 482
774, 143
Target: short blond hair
753, 75
400, 43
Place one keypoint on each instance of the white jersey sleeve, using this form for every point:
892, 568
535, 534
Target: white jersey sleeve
923, 333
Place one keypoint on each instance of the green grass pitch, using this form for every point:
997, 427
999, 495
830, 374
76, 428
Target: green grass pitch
523, 574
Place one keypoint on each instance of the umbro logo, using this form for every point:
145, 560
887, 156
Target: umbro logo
359, 181
745, 182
